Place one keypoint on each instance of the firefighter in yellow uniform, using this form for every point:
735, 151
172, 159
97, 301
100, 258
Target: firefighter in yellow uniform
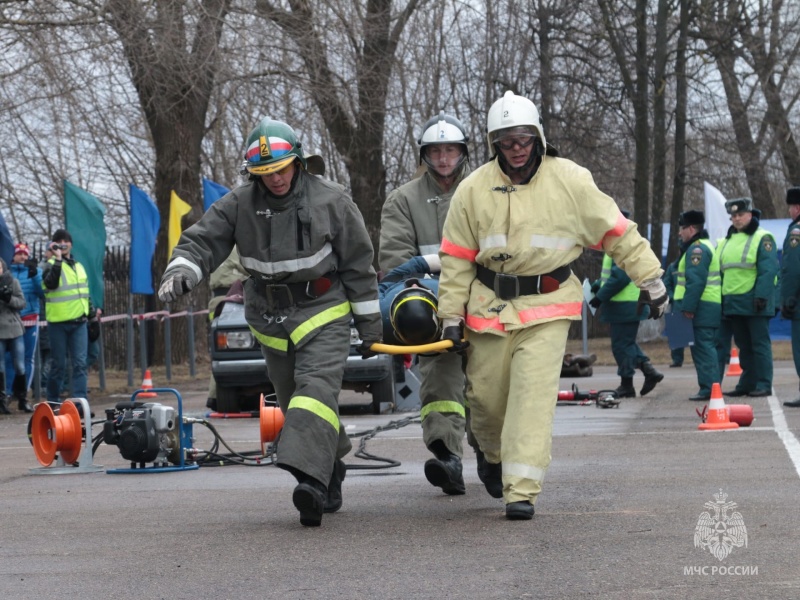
513, 228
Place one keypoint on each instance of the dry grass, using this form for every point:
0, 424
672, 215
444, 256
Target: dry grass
658, 351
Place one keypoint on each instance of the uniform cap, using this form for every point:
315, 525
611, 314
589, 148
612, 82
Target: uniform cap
793, 195
739, 205
692, 217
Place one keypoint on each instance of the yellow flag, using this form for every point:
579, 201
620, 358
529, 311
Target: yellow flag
177, 209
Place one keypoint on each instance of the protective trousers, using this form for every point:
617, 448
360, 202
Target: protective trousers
723, 344
626, 351
442, 395
796, 344
512, 390
751, 335
307, 382
704, 356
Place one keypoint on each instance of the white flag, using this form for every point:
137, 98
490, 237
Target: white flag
717, 218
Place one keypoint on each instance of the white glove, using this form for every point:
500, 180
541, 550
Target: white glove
434, 263
174, 286
653, 293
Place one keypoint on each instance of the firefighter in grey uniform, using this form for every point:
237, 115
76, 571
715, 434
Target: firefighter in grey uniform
305, 246
411, 225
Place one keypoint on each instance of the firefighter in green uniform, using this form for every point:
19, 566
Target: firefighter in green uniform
619, 296
411, 225
306, 249
698, 297
749, 265
790, 278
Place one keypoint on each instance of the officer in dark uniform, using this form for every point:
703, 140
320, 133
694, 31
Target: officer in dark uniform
619, 298
749, 266
698, 296
790, 278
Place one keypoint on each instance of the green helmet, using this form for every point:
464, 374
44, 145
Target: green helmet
271, 146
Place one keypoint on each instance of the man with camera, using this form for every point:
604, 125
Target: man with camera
67, 308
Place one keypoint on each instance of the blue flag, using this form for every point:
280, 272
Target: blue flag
145, 222
84, 215
6, 242
212, 192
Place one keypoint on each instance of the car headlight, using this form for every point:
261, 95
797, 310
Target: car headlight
234, 340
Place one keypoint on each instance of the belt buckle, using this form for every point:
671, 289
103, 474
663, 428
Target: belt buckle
276, 292
506, 287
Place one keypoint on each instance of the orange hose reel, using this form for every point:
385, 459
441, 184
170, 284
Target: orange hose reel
51, 433
270, 420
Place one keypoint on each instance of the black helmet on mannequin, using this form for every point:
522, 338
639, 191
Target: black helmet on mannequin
413, 315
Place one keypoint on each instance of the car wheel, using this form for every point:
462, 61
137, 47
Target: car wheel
227, 399
382, 391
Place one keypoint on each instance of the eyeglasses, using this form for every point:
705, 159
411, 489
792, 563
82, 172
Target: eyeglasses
522, 142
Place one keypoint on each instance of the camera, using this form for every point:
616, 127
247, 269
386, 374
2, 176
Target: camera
58, 246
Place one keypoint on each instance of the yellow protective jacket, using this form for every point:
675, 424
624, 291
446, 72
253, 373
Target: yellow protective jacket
531, 229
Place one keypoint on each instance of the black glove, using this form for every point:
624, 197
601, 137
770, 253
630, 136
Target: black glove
33, 268
455, 333
93, 330
759, 304
595, 302
365, 349
788, 310
595, 287
5, 293
653, 294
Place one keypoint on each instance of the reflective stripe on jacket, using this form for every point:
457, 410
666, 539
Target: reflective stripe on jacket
530, 229
630, 293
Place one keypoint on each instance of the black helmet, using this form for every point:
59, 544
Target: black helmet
413, 315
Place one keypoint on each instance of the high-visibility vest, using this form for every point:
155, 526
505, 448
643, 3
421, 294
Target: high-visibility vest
70, 300
737, 262
713, 290
630, 293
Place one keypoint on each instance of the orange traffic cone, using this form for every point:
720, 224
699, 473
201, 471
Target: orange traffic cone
734, 368
147, 385
718, 416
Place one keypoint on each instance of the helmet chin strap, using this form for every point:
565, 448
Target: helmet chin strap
528, 170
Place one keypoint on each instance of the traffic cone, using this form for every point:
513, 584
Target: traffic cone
718, 415
147, 385
734, 368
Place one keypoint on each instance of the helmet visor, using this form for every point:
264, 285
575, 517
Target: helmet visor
272, 167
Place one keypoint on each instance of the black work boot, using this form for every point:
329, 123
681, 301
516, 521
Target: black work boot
309, 498
3, 398
333, 500
625, 389
792, 403
491, 475
519, 511
444, 471
19, 389
651, 377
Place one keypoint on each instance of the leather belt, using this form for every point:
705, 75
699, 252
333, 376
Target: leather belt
281, 295
508, 287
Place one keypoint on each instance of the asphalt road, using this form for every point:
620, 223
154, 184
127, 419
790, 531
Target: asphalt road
617, 517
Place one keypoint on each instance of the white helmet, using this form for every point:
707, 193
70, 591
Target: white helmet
443, 129
512, 111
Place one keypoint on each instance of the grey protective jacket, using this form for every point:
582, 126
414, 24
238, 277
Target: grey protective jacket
314, 231
10, 320
412, 219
